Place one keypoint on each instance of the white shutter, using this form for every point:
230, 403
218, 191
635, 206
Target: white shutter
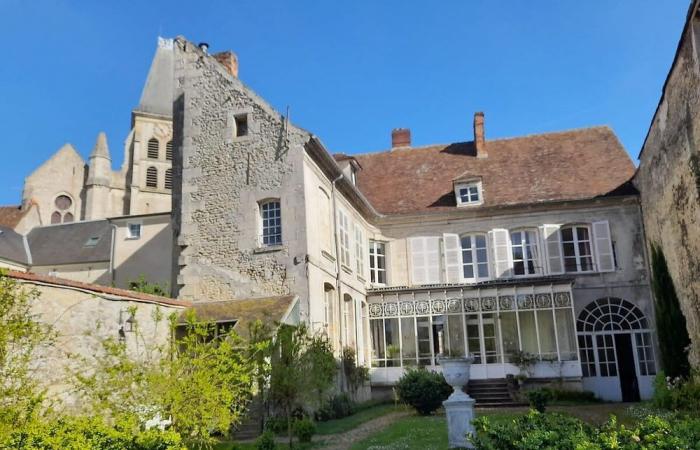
500, 240
453, 258
552, 248
603, 246
419, 262
432, 245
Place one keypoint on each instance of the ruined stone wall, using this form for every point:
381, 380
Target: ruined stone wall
222, 177
669, 181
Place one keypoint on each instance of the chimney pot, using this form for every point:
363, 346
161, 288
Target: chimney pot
479, 136
229, 60
400, 137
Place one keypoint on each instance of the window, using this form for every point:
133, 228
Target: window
67, 217
168, 178
169, 151
328, 313
576, 249
525, 253
475, 263
645, 354
133, 230
63, 204
344, 230
468, 194
92, 241
377, 262
325, 221
359, 251
271, 214
152, 177
585, 346
153, 146
241, 125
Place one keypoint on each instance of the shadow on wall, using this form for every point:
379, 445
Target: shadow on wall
153, 260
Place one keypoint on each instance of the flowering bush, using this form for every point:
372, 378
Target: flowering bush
676, 394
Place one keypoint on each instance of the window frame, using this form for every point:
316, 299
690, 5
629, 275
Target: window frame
475, 262
536, 257
376, 271
469, 185
157, 148
575, 241
151, 169
132, 236
277, 227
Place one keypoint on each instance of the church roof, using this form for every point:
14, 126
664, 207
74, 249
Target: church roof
157, 95
71, 243
569, 165
101, 148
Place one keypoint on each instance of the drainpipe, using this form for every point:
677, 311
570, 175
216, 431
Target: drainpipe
111, 251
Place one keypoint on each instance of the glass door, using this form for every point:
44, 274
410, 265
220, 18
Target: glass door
425, 342
474, 338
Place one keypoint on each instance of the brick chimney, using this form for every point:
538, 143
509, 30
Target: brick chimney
229, 60
400, 137
479, 137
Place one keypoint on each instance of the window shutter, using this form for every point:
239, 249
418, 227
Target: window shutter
425, 260
552, 249
501, 253
603, 246
432, 246
453, 258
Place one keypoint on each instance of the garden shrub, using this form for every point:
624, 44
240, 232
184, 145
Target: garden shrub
276, 424
265, 441
539, 398
676, 394
423, 390
304, 429
336, 407
564, 395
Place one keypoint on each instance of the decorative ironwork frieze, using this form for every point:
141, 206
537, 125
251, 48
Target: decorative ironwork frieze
543, 300
506, 302
562, 299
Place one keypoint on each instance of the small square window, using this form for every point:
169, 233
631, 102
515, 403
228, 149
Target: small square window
134, 230
92, 241
241, 125
468, 194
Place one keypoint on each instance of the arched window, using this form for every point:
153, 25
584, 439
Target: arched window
328, 312
271, 221
168, 178
152, 177
475, 261
576, 248
63, 205
611, 314
67, 218
349, 320
56, 217
525, 251
153, 148
169, 151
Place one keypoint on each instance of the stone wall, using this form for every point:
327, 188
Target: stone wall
220, 180
669, 179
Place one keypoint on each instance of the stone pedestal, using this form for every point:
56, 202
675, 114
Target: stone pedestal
460, 413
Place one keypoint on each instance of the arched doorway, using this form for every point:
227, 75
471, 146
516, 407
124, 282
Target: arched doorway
617, 358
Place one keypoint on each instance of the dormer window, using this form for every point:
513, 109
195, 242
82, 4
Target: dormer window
469, 194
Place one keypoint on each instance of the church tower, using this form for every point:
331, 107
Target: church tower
97, 199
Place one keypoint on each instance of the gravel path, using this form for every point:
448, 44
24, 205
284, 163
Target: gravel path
344, 441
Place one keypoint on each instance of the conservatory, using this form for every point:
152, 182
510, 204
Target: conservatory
496, 325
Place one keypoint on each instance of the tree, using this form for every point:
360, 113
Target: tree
670, 321
303, 369
145, 287
200, 382
21, 336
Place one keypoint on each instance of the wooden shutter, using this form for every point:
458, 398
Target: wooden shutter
603, 246
453, 258
500, 244
425, 260
552, 248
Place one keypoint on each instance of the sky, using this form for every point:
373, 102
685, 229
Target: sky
348, 71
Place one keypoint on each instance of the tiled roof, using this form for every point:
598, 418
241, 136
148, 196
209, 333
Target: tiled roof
10, 216
244, 311
568, 165
131, 295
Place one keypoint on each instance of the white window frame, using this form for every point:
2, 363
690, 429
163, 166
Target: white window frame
536, 256
132, 236
473, 188
344, 231
265, 228
375, 271
576, 242
475, 263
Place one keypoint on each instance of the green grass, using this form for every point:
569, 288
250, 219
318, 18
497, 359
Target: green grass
425, 433
348, 423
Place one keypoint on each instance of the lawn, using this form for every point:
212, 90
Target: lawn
357, 419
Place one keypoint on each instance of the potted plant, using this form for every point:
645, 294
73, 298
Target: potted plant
392, 353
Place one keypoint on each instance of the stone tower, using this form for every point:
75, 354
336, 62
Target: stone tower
97, 200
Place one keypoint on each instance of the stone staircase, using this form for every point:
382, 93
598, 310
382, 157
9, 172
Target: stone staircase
491, 393
252, 424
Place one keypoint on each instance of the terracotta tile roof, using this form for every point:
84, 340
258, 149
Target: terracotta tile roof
568, 165
244, 311
10, 216
131, 295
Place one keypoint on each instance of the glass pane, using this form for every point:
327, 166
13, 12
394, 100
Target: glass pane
491, 339
545, 324
392, 341
473, 342
565, 334
483, 270
516, 238
567, 234
455, 335
509, 333
425, 351
377, 327
582, 233
480, 241
468, 271
408, 341
528, 334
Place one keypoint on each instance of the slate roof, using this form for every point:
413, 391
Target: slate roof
157, 94
244, 311
65, 243
10, 215
131, 295
569, 165
12, 246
